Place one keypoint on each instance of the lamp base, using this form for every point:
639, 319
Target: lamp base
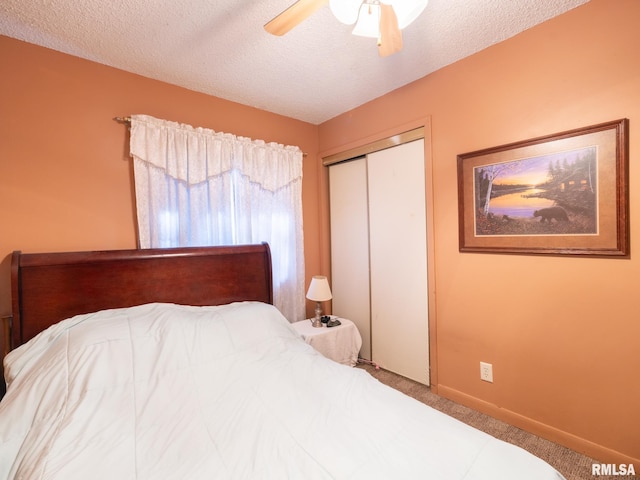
316, 321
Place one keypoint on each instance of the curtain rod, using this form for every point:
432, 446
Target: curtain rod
127, 121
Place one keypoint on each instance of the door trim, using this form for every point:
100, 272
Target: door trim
388, 142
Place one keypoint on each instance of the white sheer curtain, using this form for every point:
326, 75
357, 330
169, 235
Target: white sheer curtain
197, 187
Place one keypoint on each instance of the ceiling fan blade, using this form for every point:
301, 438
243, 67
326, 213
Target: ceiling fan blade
293, 15
390, 40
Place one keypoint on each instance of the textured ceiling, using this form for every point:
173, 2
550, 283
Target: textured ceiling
219, 47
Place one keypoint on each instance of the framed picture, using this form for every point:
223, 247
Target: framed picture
562, 194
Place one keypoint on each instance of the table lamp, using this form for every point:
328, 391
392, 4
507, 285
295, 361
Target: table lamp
319, 291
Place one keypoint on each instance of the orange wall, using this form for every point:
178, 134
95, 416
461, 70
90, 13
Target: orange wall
65, 174
563, 334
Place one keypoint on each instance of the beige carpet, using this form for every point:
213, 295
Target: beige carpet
572, 465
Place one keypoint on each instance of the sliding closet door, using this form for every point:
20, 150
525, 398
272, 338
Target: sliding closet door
350, 246
398, 260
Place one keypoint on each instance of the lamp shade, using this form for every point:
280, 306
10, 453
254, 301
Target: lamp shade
319, 290
368, 24
346, 11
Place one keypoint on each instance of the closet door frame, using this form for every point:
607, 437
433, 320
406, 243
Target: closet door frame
420, 128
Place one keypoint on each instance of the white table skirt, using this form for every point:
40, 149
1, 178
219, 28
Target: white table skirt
341, 343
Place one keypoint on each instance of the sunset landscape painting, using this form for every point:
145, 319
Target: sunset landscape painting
555, 194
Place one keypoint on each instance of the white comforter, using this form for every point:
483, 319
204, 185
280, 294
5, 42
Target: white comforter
172, 392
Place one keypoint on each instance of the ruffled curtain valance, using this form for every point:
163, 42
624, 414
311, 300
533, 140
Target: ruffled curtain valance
195, 154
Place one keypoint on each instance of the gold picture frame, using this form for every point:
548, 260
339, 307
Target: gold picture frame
561, 194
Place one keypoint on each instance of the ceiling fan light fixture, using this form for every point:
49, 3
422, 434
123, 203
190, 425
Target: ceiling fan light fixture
346, 11
351, 11
368, 24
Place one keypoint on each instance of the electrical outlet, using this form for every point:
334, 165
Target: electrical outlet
486, 372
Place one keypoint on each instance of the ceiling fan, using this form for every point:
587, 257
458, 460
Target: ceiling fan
381, 19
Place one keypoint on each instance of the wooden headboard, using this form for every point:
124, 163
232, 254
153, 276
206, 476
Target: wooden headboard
49, 287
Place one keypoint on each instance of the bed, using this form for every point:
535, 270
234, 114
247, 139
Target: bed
174, 364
